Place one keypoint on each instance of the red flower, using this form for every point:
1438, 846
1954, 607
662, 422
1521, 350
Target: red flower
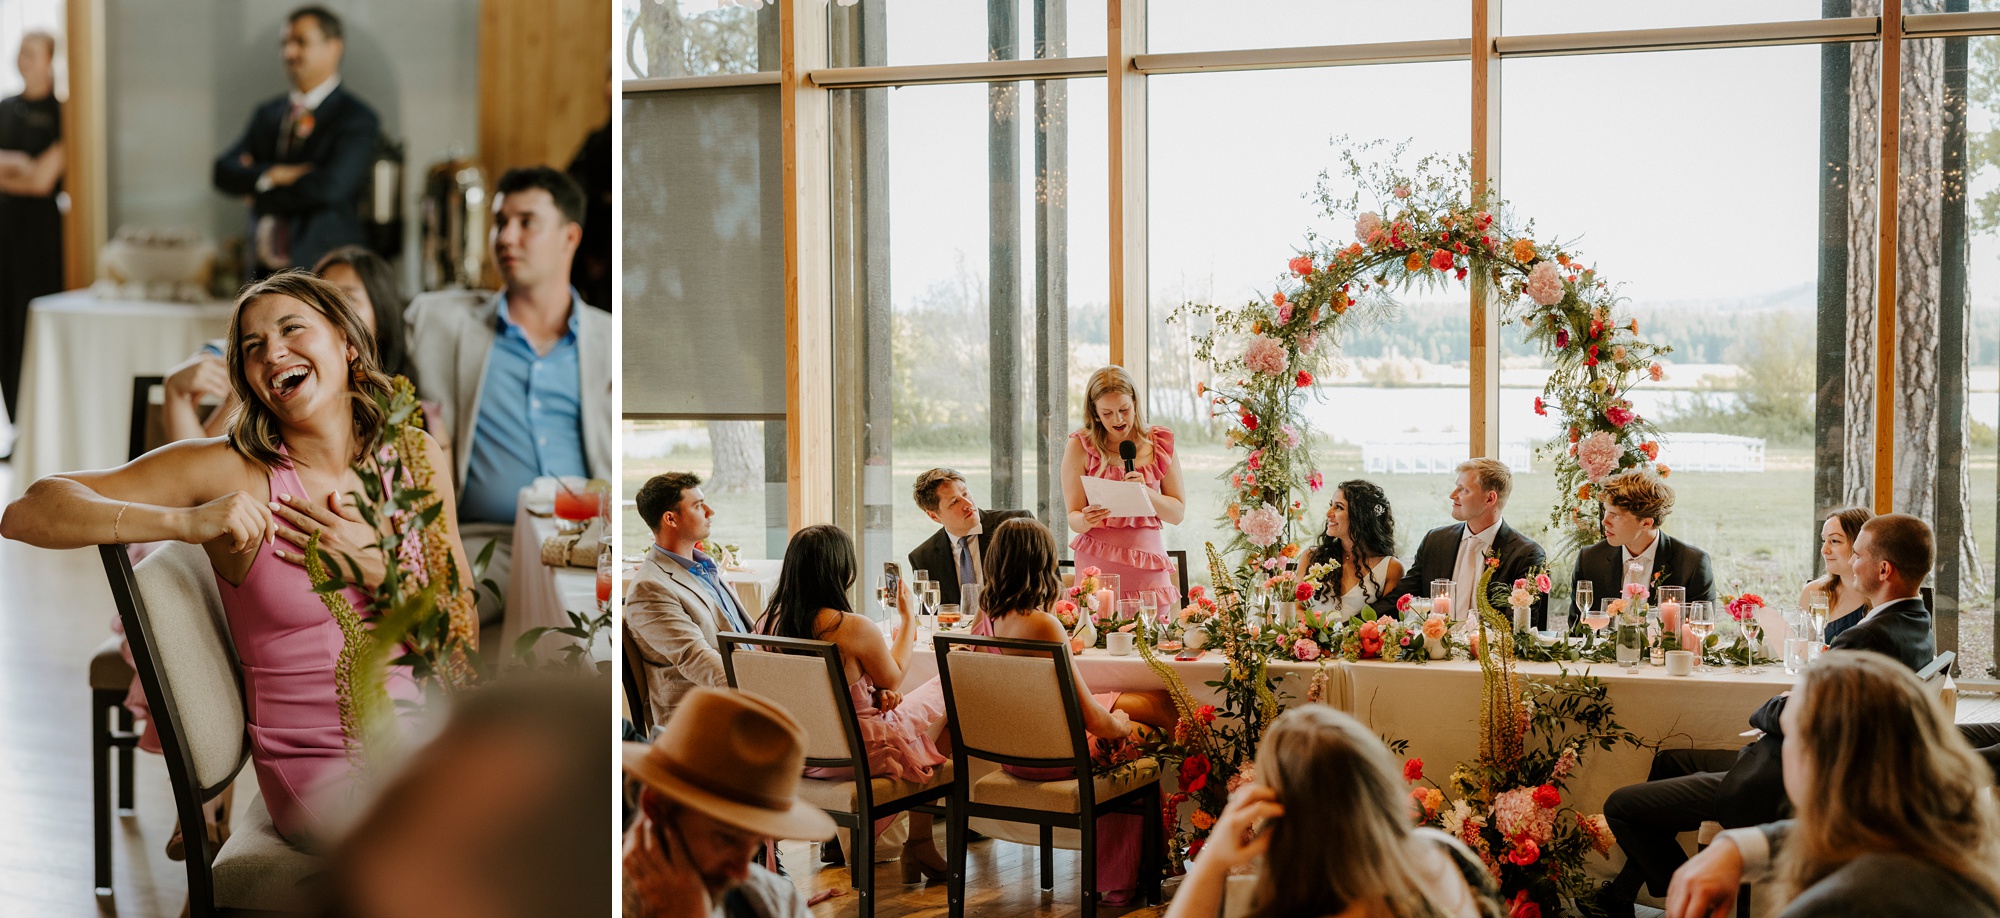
1249, 422
1619, 415
1460, 273
1525, 852
1302, 266
1562, 338
1547, 797
1441, 260
1304, 593
1194, 773
1194, 848
1413, 770
1305, 379
1521, 907
1651, 449
1541, 407
1205, 713
1403, 604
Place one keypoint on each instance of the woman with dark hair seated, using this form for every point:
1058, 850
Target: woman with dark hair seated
1360, 534
1021, 588
902, 732
1846, 607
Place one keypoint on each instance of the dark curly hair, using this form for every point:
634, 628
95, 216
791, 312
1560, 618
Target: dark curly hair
1371, 524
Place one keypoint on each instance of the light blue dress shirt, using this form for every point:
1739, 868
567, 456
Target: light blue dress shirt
530, 419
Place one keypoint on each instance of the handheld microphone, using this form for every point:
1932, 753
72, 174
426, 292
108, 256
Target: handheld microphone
1126, 451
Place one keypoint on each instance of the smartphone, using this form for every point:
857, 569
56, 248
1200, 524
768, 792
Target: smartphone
892, 577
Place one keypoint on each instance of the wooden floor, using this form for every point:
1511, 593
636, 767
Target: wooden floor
1000, 882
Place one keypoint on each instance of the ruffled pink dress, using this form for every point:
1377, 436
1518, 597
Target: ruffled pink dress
902, 743
1130, 546
288, 643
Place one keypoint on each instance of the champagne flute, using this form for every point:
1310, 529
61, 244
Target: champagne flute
1701, 621
1584, 591
1149, 606
1818, 605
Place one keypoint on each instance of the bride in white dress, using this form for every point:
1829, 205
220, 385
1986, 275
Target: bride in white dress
1361, 535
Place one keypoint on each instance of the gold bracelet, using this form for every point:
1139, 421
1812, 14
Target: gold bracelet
121, 518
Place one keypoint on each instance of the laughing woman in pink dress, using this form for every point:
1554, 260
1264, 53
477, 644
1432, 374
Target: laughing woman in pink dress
1130, 546
304, 370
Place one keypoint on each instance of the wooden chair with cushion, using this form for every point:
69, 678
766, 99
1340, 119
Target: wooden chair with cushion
180, 644
807, 680
1025, 711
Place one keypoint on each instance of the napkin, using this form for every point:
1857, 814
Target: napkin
574, 549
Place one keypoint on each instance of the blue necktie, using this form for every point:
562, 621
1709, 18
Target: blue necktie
965, 572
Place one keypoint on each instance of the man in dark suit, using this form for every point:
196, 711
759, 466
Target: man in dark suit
303, 161
1635, 504
1458, 552
1892, 556
956, 553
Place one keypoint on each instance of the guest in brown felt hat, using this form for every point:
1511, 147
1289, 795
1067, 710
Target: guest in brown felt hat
721, 777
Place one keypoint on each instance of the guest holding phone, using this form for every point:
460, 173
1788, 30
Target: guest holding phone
1116, 444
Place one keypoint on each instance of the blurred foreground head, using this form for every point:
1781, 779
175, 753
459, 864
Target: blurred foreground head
506, 813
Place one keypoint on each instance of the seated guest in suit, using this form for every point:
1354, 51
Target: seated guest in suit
304, 159
1836, 547
1360, 534
1891, 558
1890, 819
1458, 551
522, 377
677, 602
901, 731
1330, 815
954, 554
1636, 502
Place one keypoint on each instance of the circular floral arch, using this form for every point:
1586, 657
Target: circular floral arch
1428, 229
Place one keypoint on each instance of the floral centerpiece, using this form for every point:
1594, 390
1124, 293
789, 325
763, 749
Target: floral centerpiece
1744, 651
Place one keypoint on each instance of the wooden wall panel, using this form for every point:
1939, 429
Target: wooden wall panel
544, 80
84, 229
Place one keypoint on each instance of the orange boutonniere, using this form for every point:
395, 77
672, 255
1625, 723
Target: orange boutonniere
303, 127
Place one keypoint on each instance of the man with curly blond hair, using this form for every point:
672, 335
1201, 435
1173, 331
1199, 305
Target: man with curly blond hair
1634, 549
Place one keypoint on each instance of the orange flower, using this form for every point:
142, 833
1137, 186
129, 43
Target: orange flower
1562, 258
1415, 262
1235, 510
1291, 551
1257, 328
1664, 471
1524, 250
1583, 493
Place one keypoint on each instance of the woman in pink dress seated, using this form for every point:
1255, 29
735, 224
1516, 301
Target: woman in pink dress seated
902, 732
303, 366
1129, 546
1021, 588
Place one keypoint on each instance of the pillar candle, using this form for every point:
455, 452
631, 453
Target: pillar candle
1442, 606
1107, 604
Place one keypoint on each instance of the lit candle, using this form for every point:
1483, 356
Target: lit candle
1107, 604
1670, 615
1442, 606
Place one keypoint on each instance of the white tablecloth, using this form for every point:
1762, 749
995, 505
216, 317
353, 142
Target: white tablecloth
1104, 672
539, 595
76, 381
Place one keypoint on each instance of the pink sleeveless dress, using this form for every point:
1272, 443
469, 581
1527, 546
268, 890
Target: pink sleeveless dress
287, 643
1130, 546
902, 743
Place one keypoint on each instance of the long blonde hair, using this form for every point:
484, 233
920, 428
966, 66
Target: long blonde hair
1345, 838
253, 429
1890, 774
1110, 380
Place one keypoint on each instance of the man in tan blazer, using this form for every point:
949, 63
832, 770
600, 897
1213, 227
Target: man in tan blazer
677, 602
521, 376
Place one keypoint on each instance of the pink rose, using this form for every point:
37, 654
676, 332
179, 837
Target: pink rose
1545, 285
1403, 190
1542, 583
1305, 650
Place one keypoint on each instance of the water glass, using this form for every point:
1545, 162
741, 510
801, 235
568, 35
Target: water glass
1128, 610
1795, 655
1149, 606
1631, 641
1558, 620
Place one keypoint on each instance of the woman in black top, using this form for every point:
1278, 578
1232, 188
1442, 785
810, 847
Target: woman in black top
31, 167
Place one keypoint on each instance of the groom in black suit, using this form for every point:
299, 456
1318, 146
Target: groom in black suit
1458, 552
960, 546
1635, 504
1892, 556
304, 159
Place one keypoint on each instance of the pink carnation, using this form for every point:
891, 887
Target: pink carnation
1367, 227
1598, 454
1266, 355
1314, 481
1305, 650
1545, 286
1291, 436
1262, 526
1620, 415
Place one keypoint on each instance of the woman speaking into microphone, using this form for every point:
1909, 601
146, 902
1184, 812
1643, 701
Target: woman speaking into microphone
1115, 444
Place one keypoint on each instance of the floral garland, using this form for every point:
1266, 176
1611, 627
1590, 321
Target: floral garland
1429, 229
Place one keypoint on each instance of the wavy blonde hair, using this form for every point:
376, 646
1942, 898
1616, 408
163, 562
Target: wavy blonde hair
253, 429
1345, 838
1111, 380
1890, 774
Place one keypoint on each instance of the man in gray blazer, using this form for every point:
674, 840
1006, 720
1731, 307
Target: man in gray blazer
522, 376
677, 601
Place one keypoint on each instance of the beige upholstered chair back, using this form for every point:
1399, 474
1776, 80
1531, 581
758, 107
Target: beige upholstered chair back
802, 686
1010, 705
193, 656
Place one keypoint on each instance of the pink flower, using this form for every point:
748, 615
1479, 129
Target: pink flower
1284, 311
1314, 481
1744, 607
1562, 338
1305, 650
1367, 228
1656, 372
1598, 455
1307, 344
1291, 436
1542, 583
1620, 415
1403, 190
1525, 852
1566, 762
1545, 286
1265, 355
1262, 525
1256, 460
1435, 628
1302, 266
1405, 601
1090, 572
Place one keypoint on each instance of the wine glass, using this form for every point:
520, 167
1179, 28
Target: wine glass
1753, 631
1701, 622
1817, 606
1584, 594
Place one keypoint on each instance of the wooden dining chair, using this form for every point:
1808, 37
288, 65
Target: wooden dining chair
638, 704
807, 680
1024, 710
181, 651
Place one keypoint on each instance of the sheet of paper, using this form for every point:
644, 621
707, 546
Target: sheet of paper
1122, 498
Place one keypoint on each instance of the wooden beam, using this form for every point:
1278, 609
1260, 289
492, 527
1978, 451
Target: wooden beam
1125, 90
1484, 381
84, 227
1885, 257
809, 445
